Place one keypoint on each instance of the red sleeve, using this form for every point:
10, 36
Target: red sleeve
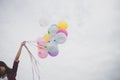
15, 66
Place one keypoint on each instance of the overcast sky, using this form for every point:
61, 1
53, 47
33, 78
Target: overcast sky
92, 49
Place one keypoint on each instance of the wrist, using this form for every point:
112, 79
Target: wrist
21, 45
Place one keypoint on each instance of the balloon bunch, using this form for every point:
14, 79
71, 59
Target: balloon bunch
48, 44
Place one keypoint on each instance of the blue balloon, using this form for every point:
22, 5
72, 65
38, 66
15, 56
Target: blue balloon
52, 49
53, 29
60, 38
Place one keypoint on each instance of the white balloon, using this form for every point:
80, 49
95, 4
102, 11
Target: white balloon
43, 21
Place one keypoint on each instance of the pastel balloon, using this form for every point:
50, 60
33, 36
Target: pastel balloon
62, 31
62, 25
52, 49
42, 53
52, 40
47, 37
43, 21
53, 54
60, 38
52, 29
41, 41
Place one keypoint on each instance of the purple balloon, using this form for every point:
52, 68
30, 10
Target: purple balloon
53, 54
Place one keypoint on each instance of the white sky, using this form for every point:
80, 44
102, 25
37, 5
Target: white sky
92, 49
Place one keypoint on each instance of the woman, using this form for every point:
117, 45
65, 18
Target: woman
7, 73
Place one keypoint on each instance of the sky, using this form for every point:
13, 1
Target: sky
92, 49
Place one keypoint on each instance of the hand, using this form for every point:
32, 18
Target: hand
23, 43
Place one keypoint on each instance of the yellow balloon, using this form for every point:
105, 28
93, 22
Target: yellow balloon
62, 25
47, 37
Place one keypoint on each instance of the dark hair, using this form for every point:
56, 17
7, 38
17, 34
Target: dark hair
8, 70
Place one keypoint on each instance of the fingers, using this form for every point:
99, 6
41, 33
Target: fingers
23, 43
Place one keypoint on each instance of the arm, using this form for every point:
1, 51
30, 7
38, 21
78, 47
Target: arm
16, 61
19, 51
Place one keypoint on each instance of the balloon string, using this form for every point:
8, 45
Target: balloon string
37, 71
31, 61
31, 43
34, 67
29, 52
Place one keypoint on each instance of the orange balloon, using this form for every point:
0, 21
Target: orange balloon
41, 47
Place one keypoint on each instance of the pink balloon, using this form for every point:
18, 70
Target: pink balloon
41, 42
62, 31
42, 53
